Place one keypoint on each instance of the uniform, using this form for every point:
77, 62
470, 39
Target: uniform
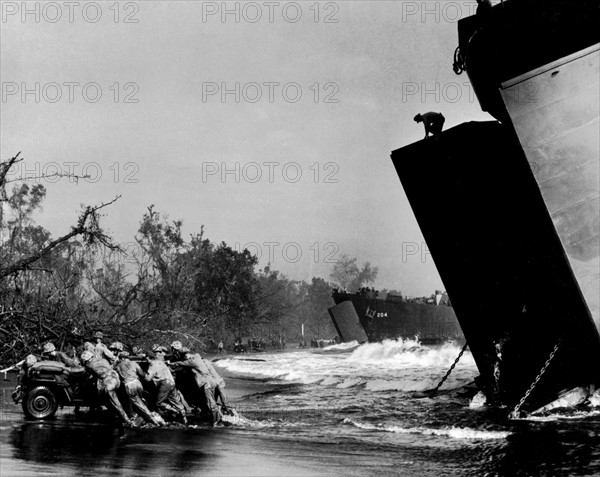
204, 381
167, 395
220, 385
108, 382
131, 373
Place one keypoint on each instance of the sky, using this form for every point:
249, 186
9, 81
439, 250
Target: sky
269, 123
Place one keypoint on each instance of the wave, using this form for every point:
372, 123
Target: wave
349, 344
241, 421
406, 385
338, 348
453, 432
350, 383
563, 414
408, 352
399, 365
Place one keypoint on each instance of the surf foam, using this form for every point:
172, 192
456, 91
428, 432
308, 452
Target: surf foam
453, 432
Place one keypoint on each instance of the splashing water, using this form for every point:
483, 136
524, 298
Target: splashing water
454, 432
399, 365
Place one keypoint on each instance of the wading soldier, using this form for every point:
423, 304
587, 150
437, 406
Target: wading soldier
108, 382
204, 381
130, 374
167, 395
219, 387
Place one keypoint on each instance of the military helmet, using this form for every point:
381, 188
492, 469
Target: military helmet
99, 334
48, 348
176, 345
86, 356
30, 360
156, 348
87, 346
116, 345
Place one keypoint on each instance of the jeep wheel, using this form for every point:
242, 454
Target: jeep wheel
40, 403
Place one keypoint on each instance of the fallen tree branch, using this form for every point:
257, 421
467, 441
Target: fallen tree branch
91, 232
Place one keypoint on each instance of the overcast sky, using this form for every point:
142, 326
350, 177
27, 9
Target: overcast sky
299, 103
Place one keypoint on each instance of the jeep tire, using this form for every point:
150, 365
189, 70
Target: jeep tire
40, 403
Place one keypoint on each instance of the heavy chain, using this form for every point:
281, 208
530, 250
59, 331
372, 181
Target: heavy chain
515, 411
464, 348
459, 62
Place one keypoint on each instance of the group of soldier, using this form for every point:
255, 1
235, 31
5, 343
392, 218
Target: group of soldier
119, 380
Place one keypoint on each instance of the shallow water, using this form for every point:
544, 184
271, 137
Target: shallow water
343, 410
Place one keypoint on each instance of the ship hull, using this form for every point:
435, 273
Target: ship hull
383, 319
503, 264
511, 214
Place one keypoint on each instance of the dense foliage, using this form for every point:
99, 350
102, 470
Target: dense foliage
165, 288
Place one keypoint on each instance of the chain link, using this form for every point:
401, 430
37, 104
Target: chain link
458, 66
451, 368
515, 411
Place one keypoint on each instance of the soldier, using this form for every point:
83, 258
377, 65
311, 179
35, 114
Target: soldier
176, 348
49, 351
27, 363
433, 122
219, 387
138, 352
167, 395
130, 374
203, 379
108, 382
101, 350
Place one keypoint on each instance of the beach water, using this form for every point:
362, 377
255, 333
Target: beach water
341, 410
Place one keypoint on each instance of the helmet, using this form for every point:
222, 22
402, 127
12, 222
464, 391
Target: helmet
156, 348
176, 345
87, 346
30, 360
99, 334
86, 356
48, 348
116, 345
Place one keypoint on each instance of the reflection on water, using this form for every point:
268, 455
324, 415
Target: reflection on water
91, 447
80, 446
68, 448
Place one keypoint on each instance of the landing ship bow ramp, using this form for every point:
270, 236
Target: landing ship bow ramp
511, 215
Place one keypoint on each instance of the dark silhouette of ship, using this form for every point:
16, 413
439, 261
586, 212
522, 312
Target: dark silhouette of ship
430, 319
511, 214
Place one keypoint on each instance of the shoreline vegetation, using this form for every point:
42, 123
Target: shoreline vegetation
165, 287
